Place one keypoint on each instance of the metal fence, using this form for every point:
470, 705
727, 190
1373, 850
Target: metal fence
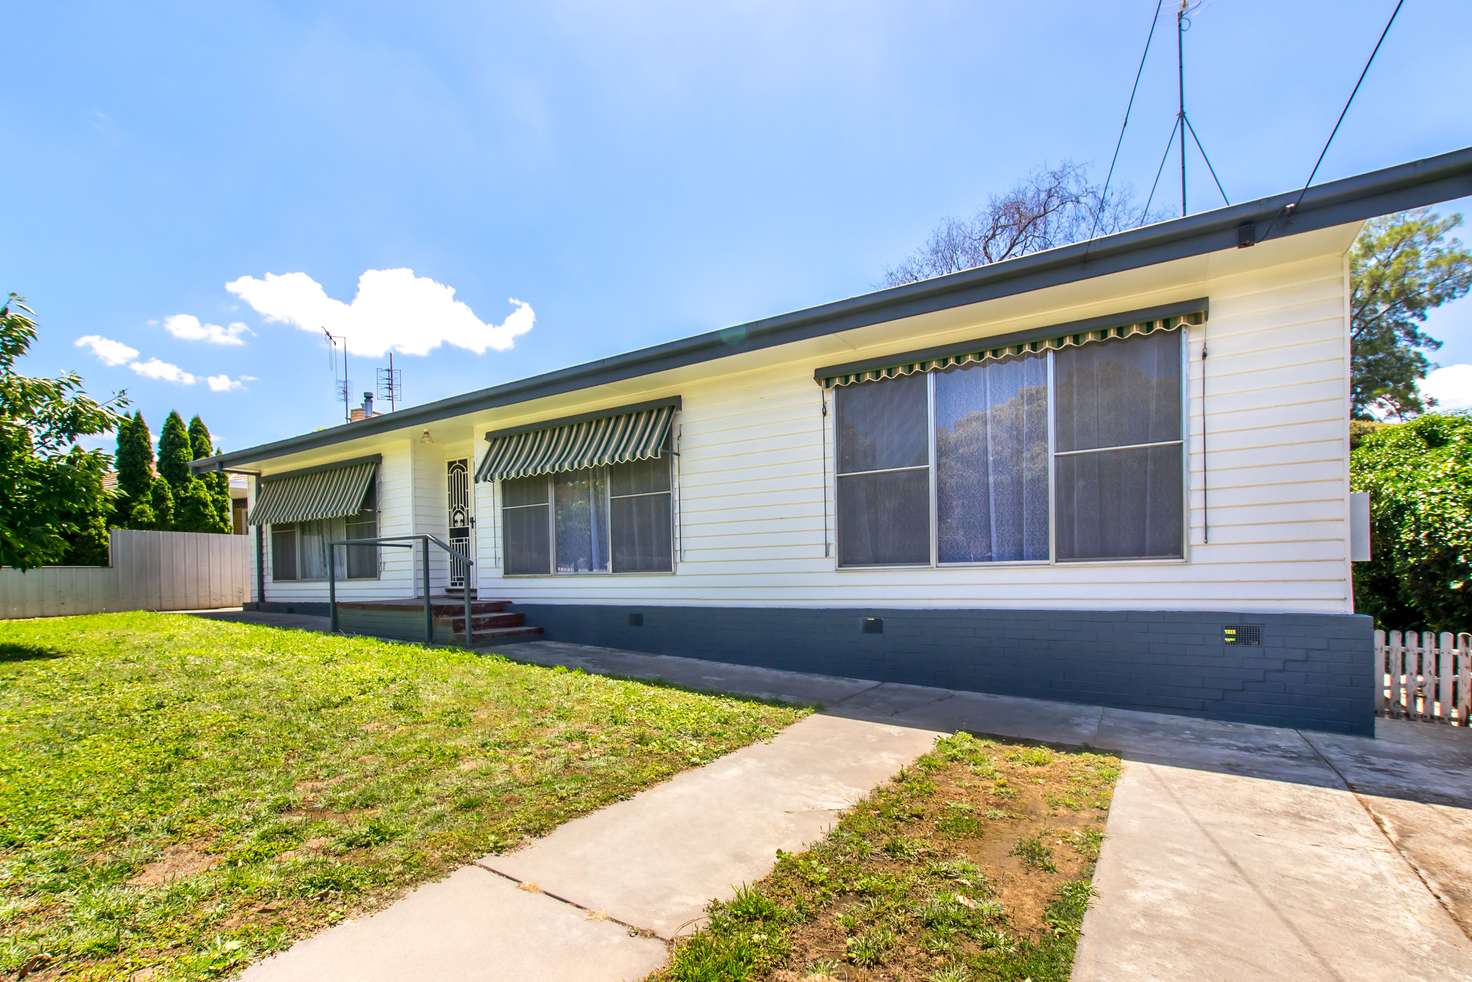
146, 571
1426, 676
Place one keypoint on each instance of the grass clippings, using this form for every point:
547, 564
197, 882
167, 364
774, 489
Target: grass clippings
180, 796
974, 864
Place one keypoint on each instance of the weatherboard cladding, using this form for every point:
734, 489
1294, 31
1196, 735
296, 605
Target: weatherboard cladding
332, 492
599, 442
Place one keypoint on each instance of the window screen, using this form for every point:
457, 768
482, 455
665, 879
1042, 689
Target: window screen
525, 525
1118, 449
991, 456
640, 516
283, 552
884, 473
362, 561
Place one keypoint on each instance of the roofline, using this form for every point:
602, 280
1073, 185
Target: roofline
1351, 199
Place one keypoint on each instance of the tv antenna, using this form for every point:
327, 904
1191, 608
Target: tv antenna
391, 383
1182, 126
343, 385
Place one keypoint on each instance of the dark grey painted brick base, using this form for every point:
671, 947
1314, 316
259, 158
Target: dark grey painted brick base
1312, 671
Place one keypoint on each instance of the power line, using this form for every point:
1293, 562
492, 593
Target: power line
1288, 210
1103, 197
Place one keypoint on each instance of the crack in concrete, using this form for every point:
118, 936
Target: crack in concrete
633, 928
1380, 827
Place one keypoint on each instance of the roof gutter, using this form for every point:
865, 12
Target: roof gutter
1409, 185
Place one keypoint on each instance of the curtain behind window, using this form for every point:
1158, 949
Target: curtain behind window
991, 450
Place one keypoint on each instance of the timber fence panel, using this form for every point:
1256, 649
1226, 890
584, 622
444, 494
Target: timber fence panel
146, 571
1425, 676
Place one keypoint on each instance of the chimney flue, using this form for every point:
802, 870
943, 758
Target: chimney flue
367, 404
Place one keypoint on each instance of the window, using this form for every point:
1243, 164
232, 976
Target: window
526, 525
299, 549
959, 466
884, 473
283, 552
598, 520
581, 521
991, 455
1118, 449
640, 516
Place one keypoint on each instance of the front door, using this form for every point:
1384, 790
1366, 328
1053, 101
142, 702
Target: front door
458, 511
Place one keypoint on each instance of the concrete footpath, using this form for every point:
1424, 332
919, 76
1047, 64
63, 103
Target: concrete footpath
1231, 851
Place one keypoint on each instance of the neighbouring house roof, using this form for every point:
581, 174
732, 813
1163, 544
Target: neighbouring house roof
1381, 192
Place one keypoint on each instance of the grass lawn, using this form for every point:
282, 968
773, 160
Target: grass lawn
974, 864
179, 796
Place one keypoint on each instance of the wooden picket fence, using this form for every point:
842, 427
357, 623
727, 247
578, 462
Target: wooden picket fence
1426, 676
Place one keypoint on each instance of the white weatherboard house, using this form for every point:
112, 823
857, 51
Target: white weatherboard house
1114, 472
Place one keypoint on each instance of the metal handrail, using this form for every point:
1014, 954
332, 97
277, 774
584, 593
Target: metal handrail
405, 542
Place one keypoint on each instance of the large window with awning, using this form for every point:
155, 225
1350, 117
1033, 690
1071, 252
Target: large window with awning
1067, 449
590, 494
308, 509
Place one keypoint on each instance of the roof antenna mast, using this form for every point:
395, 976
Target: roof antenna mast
343, 385
1181, 93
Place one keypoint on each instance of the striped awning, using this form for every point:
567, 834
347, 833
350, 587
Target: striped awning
598, 441
322, 492
984, 353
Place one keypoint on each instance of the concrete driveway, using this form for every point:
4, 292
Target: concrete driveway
1231, 851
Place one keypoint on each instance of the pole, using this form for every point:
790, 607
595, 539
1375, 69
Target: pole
332, 583
347, 412
1180, 95
469, 633
428, 605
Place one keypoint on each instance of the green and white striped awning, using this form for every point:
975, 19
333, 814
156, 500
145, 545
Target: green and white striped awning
321, 492
983, 352
596, 441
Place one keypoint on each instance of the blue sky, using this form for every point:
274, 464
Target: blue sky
589, 178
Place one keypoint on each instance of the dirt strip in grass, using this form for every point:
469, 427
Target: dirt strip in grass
180, 796
973, 864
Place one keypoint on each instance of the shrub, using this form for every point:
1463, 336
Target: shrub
1419, 476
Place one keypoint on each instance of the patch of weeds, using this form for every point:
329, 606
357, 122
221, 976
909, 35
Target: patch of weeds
901, 847
1031, 756
958, 821
951, 973
1087, 841
1035, 853
868, 949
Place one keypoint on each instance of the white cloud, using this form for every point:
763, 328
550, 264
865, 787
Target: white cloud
116, 353
109, 351
224, 383
163, 371
1451, 386
394, 308
187, 327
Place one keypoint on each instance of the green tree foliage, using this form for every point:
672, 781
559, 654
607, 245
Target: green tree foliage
161, 501
1402, 266
218, 481
52, 505
1419, 475
196, 509
174, 453
134, 463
